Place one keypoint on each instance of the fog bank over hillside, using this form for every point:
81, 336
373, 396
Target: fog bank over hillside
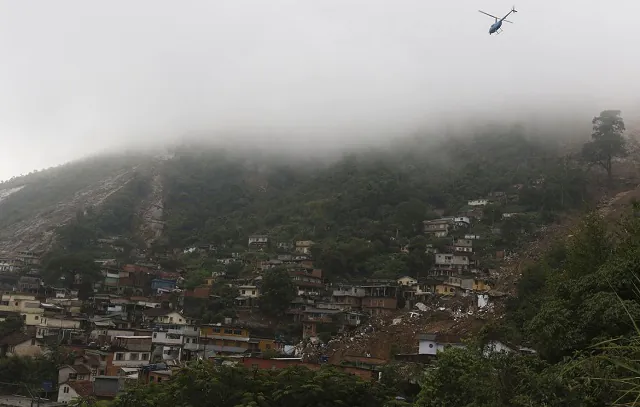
304, 76
566, 126
570, 124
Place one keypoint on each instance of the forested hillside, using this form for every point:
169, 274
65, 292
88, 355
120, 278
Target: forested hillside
359, 209
217, 198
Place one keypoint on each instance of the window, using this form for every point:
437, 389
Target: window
170, 319
155, 335
237, 332
228, 331
119, 356
66, 389
144, 356
73, 376
134, 356
102, 372
36, 317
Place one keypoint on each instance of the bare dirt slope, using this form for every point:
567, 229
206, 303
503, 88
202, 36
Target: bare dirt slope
37, 232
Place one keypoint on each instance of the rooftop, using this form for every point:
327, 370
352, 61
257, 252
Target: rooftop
84, 388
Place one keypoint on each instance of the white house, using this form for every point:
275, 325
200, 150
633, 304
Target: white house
408, 281
258, 240
51, 325
438, 227
131, 359
478, 202
250, 291
304, 246
165, 316
75, 372
74, 389
132, 351
463, 245
432, 343
510, 215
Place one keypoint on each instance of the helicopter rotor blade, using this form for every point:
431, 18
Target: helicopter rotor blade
507, 21
489, 15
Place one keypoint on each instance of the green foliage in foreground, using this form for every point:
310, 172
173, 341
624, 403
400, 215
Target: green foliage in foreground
18, 372
583, 293
579, 307
204, 384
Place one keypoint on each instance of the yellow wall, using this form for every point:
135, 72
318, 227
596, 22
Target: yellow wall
266, 344
229, 336
445, 289
224, 331
480, 285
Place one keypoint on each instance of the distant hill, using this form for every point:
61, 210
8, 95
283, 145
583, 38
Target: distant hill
211, 196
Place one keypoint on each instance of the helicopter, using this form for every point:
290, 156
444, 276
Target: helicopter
495, 27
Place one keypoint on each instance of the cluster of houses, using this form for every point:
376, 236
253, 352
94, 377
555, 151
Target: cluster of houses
21, 260
137, 326
139, 340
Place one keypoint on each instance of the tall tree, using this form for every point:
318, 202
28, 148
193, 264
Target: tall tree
277, 292
607, 141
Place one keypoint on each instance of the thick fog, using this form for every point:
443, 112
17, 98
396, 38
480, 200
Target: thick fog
82, 76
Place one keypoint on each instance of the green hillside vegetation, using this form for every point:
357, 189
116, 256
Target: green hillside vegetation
217, 199
359, 210
362, 208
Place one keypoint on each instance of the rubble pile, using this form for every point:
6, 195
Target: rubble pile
381, 337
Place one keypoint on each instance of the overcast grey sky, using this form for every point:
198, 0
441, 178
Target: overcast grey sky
80, 76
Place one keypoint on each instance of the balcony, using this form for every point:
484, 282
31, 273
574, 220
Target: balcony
185, 330
323, 319
167, 338
193, 346
348, 293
